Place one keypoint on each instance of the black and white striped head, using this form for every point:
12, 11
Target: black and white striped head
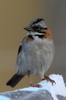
37, 26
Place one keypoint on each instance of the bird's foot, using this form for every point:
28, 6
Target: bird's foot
49, 79
37, 85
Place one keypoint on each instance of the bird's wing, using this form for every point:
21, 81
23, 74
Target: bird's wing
26, 39
21, 45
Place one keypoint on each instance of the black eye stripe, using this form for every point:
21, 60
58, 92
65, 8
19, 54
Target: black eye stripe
38, 27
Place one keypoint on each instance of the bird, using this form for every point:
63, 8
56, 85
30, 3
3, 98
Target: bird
35, 53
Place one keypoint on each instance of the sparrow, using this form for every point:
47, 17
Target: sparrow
35, 53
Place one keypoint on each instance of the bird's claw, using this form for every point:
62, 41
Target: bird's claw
49, 79
37, 85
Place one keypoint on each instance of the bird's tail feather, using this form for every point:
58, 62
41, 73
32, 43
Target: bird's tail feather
14, 80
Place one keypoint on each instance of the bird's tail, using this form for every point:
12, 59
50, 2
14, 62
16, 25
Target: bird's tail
14, 80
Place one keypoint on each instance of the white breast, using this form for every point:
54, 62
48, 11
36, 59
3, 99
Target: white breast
36, 56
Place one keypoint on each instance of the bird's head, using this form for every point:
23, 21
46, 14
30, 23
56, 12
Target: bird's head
37, 26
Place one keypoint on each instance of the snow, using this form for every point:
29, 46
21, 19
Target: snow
4, 98
57, 88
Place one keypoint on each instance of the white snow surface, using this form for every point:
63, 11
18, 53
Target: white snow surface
57, 88
4, 98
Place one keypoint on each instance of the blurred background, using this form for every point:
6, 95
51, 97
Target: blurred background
14, 15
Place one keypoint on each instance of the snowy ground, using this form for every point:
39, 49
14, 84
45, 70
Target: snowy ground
56, 91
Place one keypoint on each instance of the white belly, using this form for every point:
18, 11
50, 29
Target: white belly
36, 57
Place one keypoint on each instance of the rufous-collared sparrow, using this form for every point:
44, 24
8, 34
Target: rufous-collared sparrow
35, 53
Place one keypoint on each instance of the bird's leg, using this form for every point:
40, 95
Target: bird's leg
30, 81
36, 85
48, 79
31, 84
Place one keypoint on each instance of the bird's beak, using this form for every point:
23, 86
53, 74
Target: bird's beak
28, 28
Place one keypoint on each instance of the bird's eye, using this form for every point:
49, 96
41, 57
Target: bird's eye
38, 27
